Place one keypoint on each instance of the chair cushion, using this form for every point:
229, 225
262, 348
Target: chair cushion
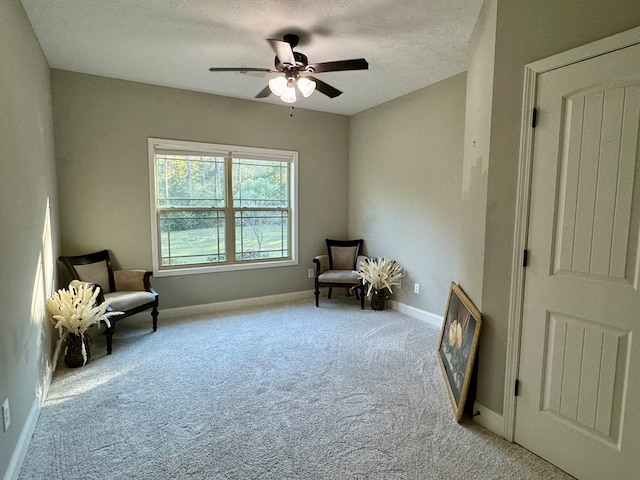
123, 301
348, 277
343, 258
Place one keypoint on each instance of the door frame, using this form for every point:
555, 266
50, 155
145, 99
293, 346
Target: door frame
516, 296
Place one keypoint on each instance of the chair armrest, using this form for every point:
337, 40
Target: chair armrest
322, 264
132, 280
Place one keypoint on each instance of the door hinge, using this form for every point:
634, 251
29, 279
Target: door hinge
534, 117
525, 258
516, 387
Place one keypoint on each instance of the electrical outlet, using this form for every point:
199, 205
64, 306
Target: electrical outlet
416, 288
6, 417
310, 273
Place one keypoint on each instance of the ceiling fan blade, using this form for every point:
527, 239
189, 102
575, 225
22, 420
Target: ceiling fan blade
242, 69
283, 51
325, 88
265, 92
340, 65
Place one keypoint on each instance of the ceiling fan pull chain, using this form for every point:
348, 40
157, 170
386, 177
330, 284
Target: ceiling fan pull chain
291, 111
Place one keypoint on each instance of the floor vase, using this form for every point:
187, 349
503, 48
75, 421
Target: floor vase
78, 350
378, 298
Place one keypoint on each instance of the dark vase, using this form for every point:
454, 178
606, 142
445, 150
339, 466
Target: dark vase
78, 350
378, 297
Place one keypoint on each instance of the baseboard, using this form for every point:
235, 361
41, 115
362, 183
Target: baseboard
489, 419
15, 462
205, 308
418, 314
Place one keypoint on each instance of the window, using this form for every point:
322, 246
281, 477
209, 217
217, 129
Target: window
221, 207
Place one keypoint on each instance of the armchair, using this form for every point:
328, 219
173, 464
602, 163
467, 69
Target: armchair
337, 268
130, 291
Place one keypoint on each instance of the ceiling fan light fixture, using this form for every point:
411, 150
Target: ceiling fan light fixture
306, 86
289, 94
277, 85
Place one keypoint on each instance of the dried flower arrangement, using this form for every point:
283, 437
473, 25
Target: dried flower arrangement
380, 273
73, 311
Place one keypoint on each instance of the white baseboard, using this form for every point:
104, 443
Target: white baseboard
205, 308
15, 462
418, 314
489, 419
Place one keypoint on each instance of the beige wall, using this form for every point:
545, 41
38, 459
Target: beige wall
526, 31
101, 130
477, 143
475, 167
29, 233
405, 173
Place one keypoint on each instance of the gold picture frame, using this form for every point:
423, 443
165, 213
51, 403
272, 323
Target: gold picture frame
457, 346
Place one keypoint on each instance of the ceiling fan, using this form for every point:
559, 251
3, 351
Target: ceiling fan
297, 72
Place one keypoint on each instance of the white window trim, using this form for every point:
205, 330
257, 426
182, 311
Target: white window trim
265, 153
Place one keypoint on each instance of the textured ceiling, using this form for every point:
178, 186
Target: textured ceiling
409, 44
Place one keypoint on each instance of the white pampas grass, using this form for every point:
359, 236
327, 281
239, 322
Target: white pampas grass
75, 310
380, 273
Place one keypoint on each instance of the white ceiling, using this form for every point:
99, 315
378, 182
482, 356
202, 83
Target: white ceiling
409, 44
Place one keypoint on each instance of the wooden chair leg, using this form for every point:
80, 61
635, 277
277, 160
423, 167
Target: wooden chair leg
108, 333
154, 315
330, 290
358, 291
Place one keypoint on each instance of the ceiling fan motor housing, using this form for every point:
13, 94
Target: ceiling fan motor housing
301, 62
292, 39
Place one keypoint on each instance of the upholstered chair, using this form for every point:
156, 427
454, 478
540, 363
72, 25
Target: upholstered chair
338, 268
129, 291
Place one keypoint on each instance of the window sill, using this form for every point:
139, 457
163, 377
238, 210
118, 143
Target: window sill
181, 271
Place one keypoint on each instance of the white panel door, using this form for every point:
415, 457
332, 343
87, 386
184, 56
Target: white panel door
579, 397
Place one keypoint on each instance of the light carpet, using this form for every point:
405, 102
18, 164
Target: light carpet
279, 392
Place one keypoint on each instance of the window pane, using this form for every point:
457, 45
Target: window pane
190, 181
192, 237
262, 235
260, 183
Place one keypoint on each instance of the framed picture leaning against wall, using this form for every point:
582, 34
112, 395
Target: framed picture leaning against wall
457, 346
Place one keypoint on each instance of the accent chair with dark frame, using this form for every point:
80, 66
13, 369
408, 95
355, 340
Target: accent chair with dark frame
130, 291
338, 268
